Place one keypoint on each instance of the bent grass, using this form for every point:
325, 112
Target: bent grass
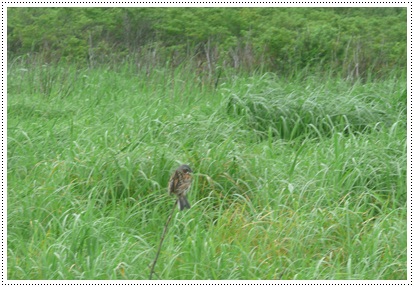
296, 180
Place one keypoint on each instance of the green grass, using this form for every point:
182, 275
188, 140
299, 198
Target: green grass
298, 179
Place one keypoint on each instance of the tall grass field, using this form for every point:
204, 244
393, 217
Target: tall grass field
299, 178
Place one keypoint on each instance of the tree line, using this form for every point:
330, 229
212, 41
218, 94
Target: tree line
351, 42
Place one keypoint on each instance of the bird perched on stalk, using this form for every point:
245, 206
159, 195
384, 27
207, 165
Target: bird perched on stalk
180, 184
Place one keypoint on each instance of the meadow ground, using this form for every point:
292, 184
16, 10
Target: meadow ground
294, 179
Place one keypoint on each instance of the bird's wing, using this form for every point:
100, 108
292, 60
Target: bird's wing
172, 186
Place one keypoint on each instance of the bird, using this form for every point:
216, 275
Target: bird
180, 184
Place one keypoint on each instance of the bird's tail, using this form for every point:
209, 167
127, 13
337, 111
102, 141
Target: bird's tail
183, 202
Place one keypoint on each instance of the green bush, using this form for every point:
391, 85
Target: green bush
353, 43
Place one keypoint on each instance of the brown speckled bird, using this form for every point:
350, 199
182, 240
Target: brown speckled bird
180, 184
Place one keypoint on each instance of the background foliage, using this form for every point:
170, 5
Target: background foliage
351, 42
